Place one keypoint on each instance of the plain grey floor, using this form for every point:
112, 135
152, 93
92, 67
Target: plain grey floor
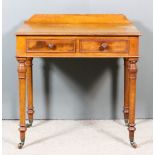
87, 137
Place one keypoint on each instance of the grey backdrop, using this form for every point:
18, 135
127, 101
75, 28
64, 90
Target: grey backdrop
77, 88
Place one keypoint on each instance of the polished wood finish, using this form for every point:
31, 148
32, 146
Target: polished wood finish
51, 45
126, 91
22, 96
107, 45
99, 24
75, 46
78, 19
30, 109
132, 67
77, 36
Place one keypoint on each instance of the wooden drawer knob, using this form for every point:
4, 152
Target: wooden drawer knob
51, 46
103, 46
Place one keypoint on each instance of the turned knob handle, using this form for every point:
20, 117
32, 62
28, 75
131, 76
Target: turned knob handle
51, 46
103, 46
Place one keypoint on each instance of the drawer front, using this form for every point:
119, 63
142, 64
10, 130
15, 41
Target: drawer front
51, 45
108, 45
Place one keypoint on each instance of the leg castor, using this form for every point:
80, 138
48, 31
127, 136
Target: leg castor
133, 144
20, 145
28, 125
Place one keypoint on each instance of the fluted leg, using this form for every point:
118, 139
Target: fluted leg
132, 67
126, 92
22, 99
30, 109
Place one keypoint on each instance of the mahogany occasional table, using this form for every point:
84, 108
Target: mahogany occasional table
77, 36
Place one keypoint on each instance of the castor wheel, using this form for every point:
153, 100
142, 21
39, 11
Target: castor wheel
133, 144
28, 125
20, 145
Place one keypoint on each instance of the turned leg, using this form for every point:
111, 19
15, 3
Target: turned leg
132, 67
22, 99
30, 109
126, 92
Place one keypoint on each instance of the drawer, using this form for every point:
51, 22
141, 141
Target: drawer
107, 45
50, 45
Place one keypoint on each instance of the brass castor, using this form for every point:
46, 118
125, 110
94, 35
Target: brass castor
133, 144
28, 125
20, 145
126, 122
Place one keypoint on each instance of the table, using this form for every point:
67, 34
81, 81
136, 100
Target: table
77, 36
